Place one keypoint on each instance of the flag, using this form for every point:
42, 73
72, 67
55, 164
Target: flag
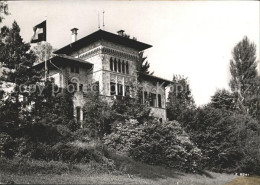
39, 33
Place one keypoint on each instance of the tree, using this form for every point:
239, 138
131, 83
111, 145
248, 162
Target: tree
224, 137
43, 51
223, 99
252, 100
143, 65
18, 60
97, 115
243, 72
180, 100
3, 10
155, 143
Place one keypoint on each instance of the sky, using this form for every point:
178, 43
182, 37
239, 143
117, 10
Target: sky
189, 38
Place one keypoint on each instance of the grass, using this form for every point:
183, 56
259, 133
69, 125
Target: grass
245, 181
187, 179
126, 172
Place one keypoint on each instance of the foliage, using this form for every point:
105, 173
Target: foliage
18, 60
96, 115
100, 116
21, 166
130, 108
243, 72
156, 143
68, 152
223, 137
180, 100
6, 145
43, 51
143, 65
252, 100
223, 99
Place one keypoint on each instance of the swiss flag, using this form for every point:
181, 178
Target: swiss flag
39, 33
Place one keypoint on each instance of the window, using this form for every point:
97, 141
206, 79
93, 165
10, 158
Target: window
74, 69
81, 87
77, 69
72, 87
111, 64
120, 89
153, 100
127, 90
119, 66
159, 101
115, 65
127, 68
112, 88
123, 67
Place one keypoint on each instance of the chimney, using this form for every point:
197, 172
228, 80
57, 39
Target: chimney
121, 32
74, 34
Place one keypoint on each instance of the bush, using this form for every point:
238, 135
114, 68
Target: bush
82, 135
156, 143
74, 153
228, 140
7, 145
23, 166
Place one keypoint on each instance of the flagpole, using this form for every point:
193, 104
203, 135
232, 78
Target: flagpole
46, 69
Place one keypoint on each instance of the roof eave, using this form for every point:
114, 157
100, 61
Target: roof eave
101, 34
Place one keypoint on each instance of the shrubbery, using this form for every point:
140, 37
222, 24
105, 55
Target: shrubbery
156, 143
228, 140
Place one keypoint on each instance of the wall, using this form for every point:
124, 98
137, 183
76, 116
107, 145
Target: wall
99, 54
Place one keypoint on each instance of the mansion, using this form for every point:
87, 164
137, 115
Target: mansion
109, 60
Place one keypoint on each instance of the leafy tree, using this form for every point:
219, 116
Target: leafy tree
100, 116
43, 50
243, 72
223, 99
18, 60
224, 138
180, 100
96, 115
130, 108
143, 65
155, 143
252, 100
3, 11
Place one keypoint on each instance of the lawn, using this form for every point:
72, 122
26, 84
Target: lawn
187, 179
41, 172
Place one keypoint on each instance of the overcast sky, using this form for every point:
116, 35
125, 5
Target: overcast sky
190, 38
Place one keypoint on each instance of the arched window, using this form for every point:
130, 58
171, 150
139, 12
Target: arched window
111, 64
115, 65
123, 67
119, 66
127, 68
